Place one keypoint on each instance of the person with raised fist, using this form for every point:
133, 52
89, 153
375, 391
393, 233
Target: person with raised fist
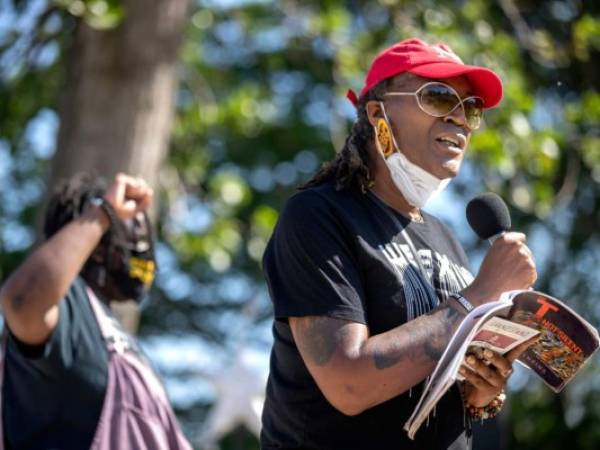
71, 377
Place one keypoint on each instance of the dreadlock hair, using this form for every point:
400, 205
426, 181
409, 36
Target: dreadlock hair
350, 167
69, 199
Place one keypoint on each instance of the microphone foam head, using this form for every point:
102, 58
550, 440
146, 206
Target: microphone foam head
488, 215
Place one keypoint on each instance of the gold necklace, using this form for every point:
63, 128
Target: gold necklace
417, 217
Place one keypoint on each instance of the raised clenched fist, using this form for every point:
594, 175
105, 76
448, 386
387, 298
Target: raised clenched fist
128, 195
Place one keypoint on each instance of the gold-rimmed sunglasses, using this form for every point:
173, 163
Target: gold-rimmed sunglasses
438, 100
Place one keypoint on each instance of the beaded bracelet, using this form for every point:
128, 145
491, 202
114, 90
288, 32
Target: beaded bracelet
488, 411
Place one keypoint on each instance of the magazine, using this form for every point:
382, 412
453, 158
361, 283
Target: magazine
565, 342
499, 335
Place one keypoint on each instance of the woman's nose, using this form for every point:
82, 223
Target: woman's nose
457, 116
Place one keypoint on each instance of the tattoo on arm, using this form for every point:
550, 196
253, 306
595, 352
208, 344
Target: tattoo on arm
17, 302
383, 361
318, 338
434, 347
434, 339
19, 299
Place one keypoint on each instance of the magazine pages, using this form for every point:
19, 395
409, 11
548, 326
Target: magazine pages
444, 374
566, 341
499, 335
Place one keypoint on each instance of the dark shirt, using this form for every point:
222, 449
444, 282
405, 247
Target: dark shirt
53, 394
341, 254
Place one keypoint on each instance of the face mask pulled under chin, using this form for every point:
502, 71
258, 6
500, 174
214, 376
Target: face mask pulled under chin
416, 184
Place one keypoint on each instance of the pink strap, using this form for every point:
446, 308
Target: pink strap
115, 339
136, 413
2, 353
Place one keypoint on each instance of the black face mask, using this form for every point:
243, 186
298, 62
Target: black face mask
127, 262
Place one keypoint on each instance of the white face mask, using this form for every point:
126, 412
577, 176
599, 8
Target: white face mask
414, 183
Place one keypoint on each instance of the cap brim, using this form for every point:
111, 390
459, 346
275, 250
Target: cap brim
484, 82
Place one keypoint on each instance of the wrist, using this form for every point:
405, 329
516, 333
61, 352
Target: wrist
475, 295
100, 210
474, 398
486, 410
465, 304
456, 307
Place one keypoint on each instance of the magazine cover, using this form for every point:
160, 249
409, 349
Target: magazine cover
565, 343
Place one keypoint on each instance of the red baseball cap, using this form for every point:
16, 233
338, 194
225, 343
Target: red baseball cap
430, 61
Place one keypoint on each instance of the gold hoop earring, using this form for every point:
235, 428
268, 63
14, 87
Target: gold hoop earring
384, 138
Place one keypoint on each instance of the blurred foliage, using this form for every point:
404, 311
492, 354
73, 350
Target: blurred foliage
100, 14
261, 103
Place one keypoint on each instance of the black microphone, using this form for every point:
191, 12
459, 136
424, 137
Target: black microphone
488, 216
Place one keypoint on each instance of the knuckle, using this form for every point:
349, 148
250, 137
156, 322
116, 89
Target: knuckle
507, 239
514, 236
122, 178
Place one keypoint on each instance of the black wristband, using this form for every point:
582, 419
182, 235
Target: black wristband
466, 304
107, 208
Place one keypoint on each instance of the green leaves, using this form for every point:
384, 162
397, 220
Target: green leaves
99, 14
586, 36
261, 103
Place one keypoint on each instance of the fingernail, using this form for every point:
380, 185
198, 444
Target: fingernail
471, 360
488, 353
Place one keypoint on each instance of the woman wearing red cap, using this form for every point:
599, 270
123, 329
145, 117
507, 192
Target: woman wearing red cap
368, 288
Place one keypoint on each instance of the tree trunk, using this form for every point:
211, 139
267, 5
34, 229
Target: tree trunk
116, 107
117, 103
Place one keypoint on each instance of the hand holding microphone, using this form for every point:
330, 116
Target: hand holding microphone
509, 263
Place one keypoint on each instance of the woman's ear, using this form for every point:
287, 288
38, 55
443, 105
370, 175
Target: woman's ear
374, 112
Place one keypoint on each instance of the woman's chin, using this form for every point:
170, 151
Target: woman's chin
450, 169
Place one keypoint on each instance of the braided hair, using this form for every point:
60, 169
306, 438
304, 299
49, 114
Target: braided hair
350, 167
69, 199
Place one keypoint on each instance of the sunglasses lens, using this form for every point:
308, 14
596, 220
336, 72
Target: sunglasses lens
473, 111
438, 100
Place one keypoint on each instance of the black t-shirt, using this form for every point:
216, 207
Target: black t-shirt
341, 254
53, 394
